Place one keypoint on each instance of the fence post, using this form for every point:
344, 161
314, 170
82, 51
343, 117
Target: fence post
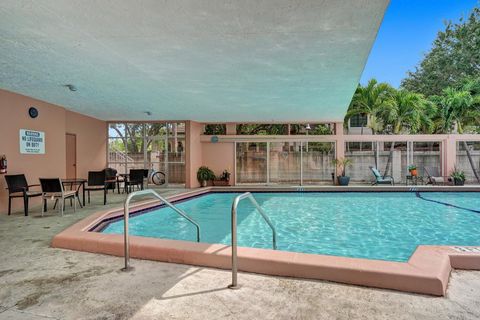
340, 142
450, 154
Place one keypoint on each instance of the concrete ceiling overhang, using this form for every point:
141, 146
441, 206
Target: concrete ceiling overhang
216, 60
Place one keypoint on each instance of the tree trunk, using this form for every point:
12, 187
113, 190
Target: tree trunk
389, 161
469, 156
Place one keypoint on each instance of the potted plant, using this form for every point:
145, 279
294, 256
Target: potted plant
458, 177
204, 174
223, 179
341, 164
413, 170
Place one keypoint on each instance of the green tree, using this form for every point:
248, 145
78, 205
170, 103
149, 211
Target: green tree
405, 113
261, 129
455, 55
459, 112
370, 100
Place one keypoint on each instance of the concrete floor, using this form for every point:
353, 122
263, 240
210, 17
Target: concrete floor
38, 282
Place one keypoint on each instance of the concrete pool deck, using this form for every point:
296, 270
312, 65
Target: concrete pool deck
40, 282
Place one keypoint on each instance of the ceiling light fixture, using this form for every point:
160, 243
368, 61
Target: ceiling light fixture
70, 87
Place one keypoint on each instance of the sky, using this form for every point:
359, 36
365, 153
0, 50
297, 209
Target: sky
406, 34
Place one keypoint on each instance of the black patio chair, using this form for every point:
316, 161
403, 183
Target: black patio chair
19, 188
135, 178
111, 178
97, 182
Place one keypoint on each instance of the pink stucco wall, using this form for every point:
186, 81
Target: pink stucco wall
55, 121
219, 157
193, 153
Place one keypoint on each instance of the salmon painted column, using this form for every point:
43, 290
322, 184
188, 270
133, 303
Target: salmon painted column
339, 142
193, 153
450, 154
231, 129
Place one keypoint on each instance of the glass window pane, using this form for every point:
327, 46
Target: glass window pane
285, 162
392, 158
176, 149
358, 121
310, 129
468, 151
251, 162
116, 150
176, 172
363, 156
116, 130
215, 129
318, 162
427, 154
155, 129
135, 147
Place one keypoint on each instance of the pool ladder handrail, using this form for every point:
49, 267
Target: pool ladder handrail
246, 195
126, 214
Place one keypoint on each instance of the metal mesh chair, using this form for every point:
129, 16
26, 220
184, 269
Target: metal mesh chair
135, 178
52, 188
110, 176
19, 188
97, 182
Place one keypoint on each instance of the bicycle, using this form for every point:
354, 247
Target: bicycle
156, 177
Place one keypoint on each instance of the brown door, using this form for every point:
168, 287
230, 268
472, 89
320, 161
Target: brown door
71, 151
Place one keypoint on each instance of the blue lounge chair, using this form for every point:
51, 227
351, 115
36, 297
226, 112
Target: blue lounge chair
379, 179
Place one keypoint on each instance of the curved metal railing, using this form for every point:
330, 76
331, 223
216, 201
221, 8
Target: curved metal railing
126, 213
246, 195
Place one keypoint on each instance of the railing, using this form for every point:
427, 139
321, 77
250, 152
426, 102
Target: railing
118, 156
126, 212
246, 195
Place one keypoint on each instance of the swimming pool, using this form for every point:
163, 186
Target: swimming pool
371, 225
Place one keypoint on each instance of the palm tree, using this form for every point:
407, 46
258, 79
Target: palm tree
369, 100
406, 112
458, 109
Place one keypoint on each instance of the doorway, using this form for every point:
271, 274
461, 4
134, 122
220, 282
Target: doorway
71, 155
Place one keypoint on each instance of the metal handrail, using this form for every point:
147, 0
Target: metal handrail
126, 213
246, 195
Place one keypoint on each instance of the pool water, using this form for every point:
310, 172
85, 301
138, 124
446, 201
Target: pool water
385, 226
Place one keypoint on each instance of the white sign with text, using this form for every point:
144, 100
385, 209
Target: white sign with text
32, 142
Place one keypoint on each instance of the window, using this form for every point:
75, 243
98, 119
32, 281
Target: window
358, 121
215, 129
159, 146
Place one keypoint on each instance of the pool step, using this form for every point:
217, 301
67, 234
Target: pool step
467, 249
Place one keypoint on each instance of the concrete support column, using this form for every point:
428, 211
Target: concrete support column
340, 139
231, 129
340, 142
449, 154
193, 153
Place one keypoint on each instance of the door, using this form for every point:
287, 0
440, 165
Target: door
71, 155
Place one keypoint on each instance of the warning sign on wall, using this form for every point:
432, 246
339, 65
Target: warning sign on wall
32, 142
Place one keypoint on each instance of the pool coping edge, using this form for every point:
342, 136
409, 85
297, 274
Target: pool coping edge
427, 271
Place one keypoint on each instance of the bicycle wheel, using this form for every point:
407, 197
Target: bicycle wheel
158, 178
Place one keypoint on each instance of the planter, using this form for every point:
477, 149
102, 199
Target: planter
458, 182
413, 172
343, 180
220, 183
203, 183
